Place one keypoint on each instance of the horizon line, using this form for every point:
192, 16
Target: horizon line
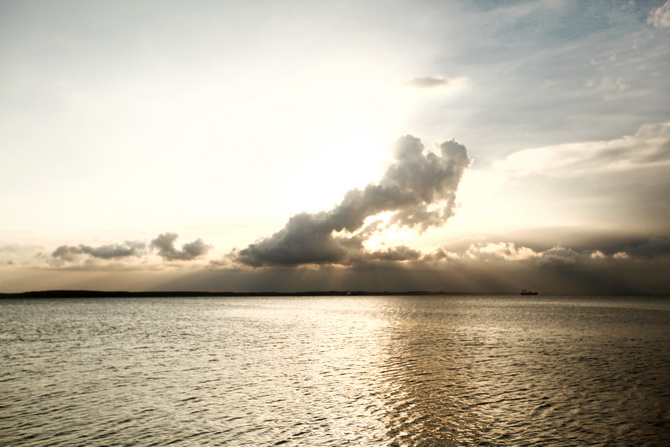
86, 293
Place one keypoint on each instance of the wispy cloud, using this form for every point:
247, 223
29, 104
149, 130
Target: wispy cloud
648, 147
660, 17
14, 254
610, 88
428, 82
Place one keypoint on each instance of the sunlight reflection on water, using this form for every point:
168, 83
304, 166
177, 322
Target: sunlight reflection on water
411, 371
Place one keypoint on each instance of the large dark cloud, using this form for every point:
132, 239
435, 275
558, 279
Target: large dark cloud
164, 243
417, 191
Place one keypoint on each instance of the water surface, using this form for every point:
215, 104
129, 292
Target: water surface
332, 371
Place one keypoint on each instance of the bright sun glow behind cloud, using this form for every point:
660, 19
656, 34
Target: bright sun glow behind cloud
297, 135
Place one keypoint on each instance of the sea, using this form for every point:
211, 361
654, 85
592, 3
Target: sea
336, 371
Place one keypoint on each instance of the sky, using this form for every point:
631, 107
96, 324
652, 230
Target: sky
462, 146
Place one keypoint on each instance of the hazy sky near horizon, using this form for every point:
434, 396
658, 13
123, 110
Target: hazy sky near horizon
391, 145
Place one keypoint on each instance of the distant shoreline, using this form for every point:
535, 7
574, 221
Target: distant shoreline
191, 293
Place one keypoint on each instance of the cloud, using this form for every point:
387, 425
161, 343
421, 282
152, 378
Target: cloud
648, 248
19, 249
612, 247
112, 251
617, 264
501, 250
648, 147
660, 17
401, 253
428, 82
624, 265
417, 191
15, 254
164, 243
611, 88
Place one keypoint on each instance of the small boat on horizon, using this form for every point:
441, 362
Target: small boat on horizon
528, 292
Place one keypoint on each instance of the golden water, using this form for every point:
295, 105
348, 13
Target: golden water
335, 371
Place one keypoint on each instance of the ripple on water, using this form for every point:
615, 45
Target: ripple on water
406, 371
